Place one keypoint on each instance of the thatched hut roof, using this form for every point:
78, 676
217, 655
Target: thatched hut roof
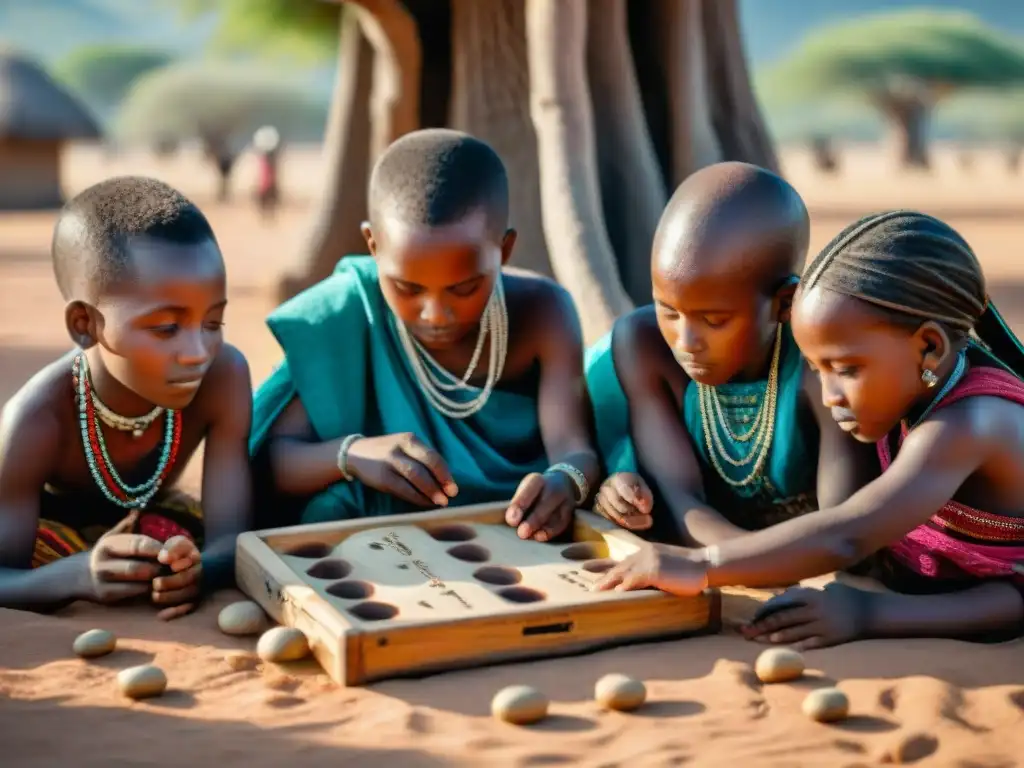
34, 106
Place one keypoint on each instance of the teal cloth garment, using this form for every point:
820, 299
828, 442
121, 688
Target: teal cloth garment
787, 486
343, 358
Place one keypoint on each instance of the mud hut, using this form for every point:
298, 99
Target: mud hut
36, 117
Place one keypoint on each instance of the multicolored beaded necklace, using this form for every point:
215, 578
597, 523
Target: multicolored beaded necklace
100, 465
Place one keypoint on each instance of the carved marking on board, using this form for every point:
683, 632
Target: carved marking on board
392, 540
573, 577
432, 580
453, 594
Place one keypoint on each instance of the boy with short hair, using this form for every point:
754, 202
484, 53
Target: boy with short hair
91, 446
426, 374
705, 393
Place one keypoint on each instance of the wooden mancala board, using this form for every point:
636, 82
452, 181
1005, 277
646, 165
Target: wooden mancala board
414, 594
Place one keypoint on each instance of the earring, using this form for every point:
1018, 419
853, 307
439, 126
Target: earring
929, 378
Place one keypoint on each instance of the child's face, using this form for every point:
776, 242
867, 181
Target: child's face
160, 328
718, 327
438, 280
870, 368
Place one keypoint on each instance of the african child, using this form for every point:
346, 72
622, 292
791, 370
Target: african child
705, 391
885, 315
426, 374
92, 445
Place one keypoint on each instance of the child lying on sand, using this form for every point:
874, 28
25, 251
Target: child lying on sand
706, 390
425, 374
105, 431
884, 315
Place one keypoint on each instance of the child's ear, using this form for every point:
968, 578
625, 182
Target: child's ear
934, 345
508, 244
784, 298
81, 323
368, 237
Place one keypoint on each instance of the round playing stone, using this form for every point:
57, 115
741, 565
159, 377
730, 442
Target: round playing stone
95, 642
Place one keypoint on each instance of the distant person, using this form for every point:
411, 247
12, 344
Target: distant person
428, 374
267, 144
92, 445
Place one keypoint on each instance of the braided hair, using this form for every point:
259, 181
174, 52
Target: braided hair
914, 267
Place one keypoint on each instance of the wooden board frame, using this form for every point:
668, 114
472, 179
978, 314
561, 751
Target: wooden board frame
353, 652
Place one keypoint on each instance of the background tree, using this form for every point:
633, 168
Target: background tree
218, 105
994, 119
101, 75
598, 108
903, 64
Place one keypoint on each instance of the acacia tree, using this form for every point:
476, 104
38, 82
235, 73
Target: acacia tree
102, 74
903, 64
220, 106
598, 108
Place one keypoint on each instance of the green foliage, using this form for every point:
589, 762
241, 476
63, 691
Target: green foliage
224, 103
102, 74
838, 121
984, 116
304, 31
942, 50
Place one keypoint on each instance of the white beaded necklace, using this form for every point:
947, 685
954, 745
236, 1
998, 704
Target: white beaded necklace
434, 380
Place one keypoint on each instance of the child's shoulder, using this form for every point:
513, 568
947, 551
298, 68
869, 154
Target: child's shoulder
227, 385
38, 415
640, 350
537, 301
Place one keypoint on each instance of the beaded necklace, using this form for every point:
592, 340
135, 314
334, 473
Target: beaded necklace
426, 368
761, 432
100, 466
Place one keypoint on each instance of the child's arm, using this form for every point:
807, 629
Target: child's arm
227, 483
30, 438
817, 618
662, 443
543, 504
844, 464
934, 461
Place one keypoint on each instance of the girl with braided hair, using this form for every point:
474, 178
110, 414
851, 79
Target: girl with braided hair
912, 355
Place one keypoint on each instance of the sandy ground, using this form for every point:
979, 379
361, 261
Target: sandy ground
941, 703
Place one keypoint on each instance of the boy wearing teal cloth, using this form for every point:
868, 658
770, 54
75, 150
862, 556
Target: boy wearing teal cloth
426, 374
705, 393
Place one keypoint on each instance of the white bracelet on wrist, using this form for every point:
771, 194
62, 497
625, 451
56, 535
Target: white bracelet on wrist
342, 459
578, 479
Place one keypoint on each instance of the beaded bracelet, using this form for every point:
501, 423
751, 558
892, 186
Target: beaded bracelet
343, 450
577, 477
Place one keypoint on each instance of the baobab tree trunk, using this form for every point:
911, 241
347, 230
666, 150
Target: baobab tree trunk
490, 99
582, 256
633, 192
599, 109
908, 116
346, 163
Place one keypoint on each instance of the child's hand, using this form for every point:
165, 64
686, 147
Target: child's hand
122, 564
542, 506
625, 499
811, 618
402, 465
180, 590
670, 569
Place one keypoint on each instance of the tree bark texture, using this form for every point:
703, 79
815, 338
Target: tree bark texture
908, 124
599, 110
632, 187
343, 207
490, 99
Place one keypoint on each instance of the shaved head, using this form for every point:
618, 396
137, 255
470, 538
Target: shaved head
732, 220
